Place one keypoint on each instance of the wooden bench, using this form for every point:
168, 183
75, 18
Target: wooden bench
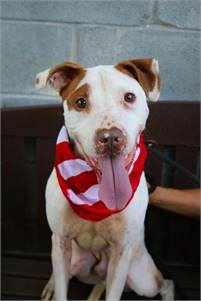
28, 145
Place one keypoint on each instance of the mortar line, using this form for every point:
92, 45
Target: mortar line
159, 23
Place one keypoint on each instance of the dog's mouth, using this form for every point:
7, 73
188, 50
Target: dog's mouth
115, 188
113, 176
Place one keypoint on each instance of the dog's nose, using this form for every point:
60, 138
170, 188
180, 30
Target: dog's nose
109, 141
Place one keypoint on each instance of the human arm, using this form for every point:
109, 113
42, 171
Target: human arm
185, 202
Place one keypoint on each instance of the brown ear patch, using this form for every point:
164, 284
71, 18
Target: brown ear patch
71, 69
65, 77
72, 85
62, 76
146, 72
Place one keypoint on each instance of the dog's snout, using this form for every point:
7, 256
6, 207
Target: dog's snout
109, 141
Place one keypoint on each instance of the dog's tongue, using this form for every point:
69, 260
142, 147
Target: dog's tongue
115, 188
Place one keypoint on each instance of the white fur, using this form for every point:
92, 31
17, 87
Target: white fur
41, 79
128, 258
155, 93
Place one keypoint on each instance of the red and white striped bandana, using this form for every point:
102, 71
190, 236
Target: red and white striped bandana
78, 180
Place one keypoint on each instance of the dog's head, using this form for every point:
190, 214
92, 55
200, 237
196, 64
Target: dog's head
105, 107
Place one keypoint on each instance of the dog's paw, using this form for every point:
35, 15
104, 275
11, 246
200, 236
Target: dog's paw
48, 290
167, 290
97, 291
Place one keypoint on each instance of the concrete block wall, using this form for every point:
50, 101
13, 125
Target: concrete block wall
38, 34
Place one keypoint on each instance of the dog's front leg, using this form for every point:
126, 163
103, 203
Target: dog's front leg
61, 257
117, 271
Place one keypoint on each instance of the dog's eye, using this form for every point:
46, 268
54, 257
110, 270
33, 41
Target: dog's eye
81, 103
129, 97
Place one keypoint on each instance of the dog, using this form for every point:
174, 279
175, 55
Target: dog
95, 202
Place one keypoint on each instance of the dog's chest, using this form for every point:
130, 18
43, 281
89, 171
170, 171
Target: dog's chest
99, 235
91, 241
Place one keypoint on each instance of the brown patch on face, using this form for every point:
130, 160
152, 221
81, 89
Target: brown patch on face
73, 96
107, 122
144, 71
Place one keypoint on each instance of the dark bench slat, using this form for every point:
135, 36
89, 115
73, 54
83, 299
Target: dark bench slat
26, 288
35, 121
13, 192
167, 170
27, 276
186, 157
175, 123
26, 267
45, 162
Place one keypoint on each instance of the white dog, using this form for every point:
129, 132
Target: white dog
96, 196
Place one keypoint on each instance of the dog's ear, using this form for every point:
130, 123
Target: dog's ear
60, 76
146, 72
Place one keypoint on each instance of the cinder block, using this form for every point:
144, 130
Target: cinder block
118, 12
28, 48
180, 13
178, 53
27, 100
